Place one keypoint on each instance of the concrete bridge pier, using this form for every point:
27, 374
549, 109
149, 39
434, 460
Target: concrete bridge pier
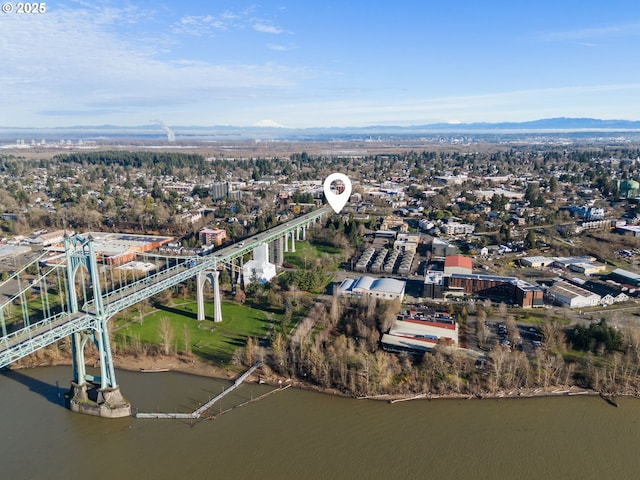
89, 399
213, 277
276, 248
290, 235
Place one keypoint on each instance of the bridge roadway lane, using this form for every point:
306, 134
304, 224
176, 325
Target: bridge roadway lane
25, 341
227, 254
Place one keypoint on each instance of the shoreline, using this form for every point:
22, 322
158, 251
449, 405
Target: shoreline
194, 366
203, 369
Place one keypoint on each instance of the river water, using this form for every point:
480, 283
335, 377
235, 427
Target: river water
294, 434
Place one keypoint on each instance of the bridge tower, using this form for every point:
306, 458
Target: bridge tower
93, 395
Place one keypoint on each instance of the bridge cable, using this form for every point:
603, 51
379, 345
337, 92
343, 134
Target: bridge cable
4, 324
60, 292
43, 307
84, 287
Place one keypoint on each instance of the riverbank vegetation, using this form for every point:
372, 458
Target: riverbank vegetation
337, 347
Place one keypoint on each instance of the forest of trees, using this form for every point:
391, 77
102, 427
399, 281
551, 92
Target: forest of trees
162, 162
337, 347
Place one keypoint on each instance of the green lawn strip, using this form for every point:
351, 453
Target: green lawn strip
304, 255
209, 340
328, 249
307, 252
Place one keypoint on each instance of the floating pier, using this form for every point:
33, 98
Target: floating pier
198, 413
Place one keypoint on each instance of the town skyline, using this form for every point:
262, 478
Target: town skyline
317, 65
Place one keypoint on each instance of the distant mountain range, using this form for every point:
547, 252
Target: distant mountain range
559, 123
268, 129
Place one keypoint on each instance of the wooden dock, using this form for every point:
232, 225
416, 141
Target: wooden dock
198, 412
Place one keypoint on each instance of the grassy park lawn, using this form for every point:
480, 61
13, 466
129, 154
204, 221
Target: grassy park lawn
208, 340
306, 253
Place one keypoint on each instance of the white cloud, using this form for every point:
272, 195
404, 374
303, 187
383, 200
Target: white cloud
267, 28
200, 25
280, 47
78, 62
619, 30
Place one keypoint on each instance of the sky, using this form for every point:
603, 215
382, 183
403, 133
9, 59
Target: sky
313, 63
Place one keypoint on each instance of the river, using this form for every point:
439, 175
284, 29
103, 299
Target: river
295, 434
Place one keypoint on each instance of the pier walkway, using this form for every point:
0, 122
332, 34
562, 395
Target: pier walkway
198, 412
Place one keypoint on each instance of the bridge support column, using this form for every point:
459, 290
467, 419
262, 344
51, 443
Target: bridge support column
217, 303
234, 271
286, 242
213, 277
275, 252
93, 395
279, 254
293, 242
304, 232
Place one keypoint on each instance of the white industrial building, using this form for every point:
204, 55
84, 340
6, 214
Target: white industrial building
588, 268
420, 334
380, 288
536, 262
259, 268
572, 296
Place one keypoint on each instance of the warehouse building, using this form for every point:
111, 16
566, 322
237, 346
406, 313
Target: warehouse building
509, 289
626, 277
420, 333
536, 262
610, 292
115, 248
572, 296
369, 287
458, 264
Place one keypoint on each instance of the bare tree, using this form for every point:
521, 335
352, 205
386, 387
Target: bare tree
502, 310
186, 340
250, 351
335, 310
240, 296
482, 332
512, 329
166, 336
498, 358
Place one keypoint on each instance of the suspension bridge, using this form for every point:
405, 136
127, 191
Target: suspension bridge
45, 301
